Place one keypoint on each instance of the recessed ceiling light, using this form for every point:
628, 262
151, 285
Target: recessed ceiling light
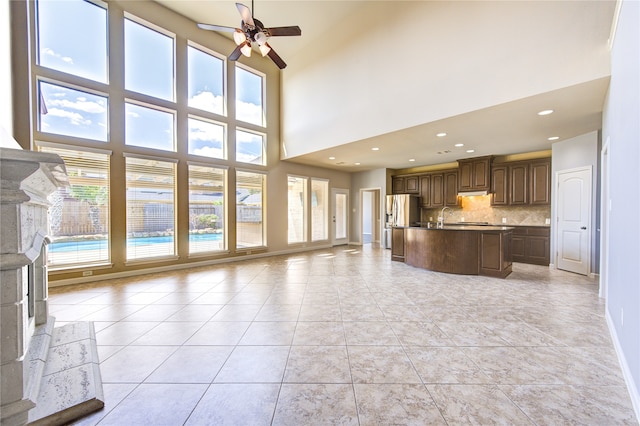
412, 159
458, 145
546, 112
375, 149
357, 164
441, 134
332, 158
553, 138
471, 150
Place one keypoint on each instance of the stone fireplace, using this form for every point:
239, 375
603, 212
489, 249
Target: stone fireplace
28, 338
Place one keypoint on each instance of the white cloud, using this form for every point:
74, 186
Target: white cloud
202, 131
74, 117
207, 101
251, 113
208, 151
81, 104
49, 52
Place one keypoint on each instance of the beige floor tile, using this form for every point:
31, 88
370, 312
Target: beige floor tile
316, 404
319, 333
191, 364
219, 333
133, 364
369, 333
445, 365
169, 334
318, 364
381, 364
254, 364
269, 333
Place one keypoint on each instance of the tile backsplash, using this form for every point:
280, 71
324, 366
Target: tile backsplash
479, 209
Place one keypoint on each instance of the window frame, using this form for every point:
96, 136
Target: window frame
225, 82
263, 96
305, 210
264, 245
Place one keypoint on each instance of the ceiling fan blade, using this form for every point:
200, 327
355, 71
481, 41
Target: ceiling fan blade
246, 14
284, 31
221, 28
236, 53
276, 58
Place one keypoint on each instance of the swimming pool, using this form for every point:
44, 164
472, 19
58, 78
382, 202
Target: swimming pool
67, 246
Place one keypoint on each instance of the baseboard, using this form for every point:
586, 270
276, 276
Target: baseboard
211, 262
632, 388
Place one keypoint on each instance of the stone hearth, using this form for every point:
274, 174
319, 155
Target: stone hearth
48, 375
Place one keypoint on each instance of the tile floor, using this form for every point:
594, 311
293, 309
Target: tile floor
345, 336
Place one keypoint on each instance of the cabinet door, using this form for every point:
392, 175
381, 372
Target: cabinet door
481, 174
519, 179
451, 198
425, 191
437, 190
411, 185
397, 244
537, 250
465, 173
540, 182
397, 185
518, 248
499, 186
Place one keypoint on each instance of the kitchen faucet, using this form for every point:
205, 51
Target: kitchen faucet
441, 218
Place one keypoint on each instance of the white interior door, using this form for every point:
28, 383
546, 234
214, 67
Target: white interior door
574, 220
340, 217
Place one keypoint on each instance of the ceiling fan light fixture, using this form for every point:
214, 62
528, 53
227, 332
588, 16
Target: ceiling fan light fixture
260, 38
264, 49
246, 49
239, 37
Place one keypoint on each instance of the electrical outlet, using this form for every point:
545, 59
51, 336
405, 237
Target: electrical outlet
87, 273
504, 220
547, 221
462, 219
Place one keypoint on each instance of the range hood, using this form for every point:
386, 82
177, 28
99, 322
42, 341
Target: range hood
472, 193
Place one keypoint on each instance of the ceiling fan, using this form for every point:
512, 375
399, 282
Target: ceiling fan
253, 31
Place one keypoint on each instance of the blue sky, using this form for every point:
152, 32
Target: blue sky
72, 38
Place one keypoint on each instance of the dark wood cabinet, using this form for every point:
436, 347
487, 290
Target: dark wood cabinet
437, 190
540, 172
425, 191
530, 244
521, 183
405, 184
499, 186
451, 198
397, 244
474, 174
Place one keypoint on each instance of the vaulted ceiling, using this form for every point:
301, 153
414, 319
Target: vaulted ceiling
393, 74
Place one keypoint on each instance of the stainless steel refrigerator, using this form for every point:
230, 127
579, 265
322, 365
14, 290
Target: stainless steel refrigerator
401, 210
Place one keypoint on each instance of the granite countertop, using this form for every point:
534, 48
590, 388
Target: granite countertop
455, 227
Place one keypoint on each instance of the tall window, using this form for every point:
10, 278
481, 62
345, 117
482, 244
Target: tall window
149, 127
206, 79
150, 208
249, 94
297, 209
69, 112
250, 194
72, 37
207, 138
319, 210
206, 209
79, 216
250, 147
149, 61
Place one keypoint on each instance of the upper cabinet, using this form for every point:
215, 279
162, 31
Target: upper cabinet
405, 184
474, 174
521, 183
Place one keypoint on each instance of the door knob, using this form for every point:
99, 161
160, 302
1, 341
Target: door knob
583, 227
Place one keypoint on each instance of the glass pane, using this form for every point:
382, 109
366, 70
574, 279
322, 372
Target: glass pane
205, 81
249, 97
150, 208
206, 209
69, 112
319, 210
148, 61
72, 37
79, 215
249, 148
149, 128
297, 200
249, 213
206, 139
341, 216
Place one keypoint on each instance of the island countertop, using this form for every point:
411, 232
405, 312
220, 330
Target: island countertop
460, 249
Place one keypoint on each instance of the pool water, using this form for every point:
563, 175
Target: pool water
65, 246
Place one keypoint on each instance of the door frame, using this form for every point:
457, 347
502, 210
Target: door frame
589, 217
605, 209
376, 215
334, 240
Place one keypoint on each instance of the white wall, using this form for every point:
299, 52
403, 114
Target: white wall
622, 128
414, 62
576, 152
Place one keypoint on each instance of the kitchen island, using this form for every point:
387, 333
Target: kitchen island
460, 249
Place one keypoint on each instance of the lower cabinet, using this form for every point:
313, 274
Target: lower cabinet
531, 245
397, 244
